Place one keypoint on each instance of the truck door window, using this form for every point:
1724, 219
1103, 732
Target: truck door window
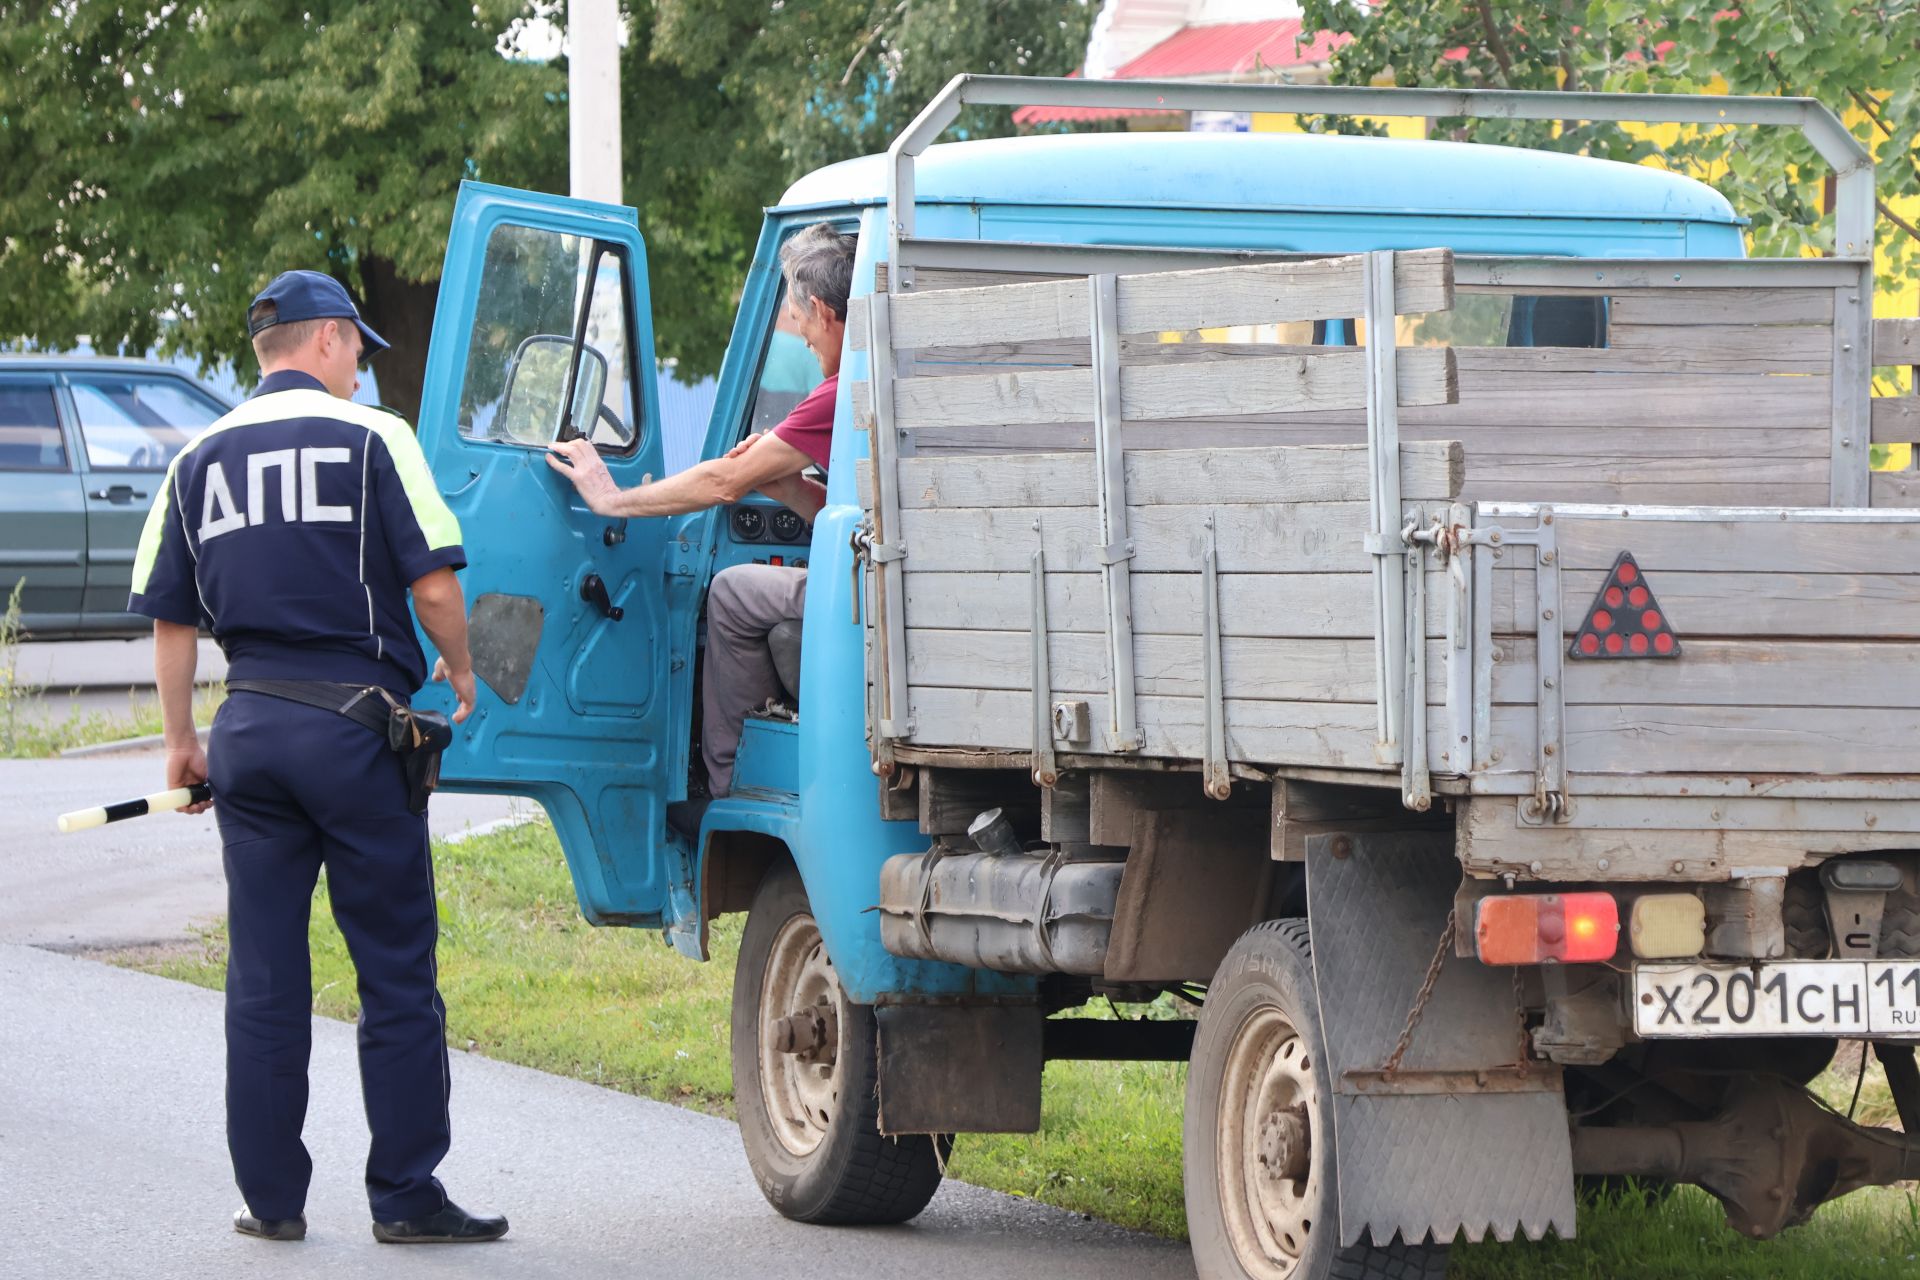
1506, 320
788, 370
550, 354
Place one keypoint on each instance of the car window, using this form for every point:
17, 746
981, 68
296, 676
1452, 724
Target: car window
555, 320
136, 423
30, 429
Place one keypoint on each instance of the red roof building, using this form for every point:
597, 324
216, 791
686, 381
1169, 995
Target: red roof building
1218, 53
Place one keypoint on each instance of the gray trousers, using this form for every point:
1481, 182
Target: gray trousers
743, 604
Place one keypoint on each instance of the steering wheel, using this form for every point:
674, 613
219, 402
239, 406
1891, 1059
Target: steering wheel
145, 456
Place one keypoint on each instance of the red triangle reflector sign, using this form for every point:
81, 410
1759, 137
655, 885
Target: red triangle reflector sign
1625, 621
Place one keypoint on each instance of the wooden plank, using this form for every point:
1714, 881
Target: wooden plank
1303, 537
1623, 468
1688, 738
1279, 292
1737, 605
1896, 342
936, 362
998, 313
1215, 297
1896, 419
1534, 401
1780, 546
927, 279
1327, 734
1430, 471
1720, 306
1774, 348
1774, 673
1306, 605
1481, 442
1672, 359
1688, 356
1169, 666
1893, 489
1275, 385
1804, 496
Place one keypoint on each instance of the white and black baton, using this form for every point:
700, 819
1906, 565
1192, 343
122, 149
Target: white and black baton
159, 802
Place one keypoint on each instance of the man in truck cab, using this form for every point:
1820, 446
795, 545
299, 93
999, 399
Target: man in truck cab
747, 601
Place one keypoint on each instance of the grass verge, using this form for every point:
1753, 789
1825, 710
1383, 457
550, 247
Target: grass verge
37, 735
527, 981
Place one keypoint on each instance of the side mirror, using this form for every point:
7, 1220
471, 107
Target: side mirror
532, 411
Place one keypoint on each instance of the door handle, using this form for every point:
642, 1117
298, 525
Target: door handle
120, 493
594, 592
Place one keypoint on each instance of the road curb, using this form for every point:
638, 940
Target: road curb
507, 823
146, 742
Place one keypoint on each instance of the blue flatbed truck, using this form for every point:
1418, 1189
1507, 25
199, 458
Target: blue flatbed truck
1425, 603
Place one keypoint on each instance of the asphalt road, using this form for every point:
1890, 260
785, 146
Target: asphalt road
113, 1156
144, 880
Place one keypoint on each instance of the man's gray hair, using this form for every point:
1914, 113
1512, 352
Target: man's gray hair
818, 263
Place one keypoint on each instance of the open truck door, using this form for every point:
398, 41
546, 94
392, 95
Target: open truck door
542, 334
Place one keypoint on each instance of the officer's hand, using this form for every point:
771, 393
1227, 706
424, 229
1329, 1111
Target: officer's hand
579, 462
187, 765
742, 447
462, 682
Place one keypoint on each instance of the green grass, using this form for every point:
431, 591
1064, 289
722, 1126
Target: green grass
527, 981
29, 733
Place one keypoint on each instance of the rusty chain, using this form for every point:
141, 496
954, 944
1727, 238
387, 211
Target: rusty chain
1426, 994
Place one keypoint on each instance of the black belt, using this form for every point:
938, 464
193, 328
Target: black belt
418, 737
368, 705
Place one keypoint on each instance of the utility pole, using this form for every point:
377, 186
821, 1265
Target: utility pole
593, 100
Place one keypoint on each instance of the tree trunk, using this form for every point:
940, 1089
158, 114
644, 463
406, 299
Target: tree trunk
401, 311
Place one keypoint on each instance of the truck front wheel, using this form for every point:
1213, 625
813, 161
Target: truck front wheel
1262, 1199
803, 1077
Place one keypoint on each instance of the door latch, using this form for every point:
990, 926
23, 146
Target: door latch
614, 534
594, 592
119, 493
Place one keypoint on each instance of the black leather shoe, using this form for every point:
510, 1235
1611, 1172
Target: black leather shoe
269, 1228
452, 1225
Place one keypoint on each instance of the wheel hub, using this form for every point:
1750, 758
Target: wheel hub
1269, 1182
800, 1048
1286, 1153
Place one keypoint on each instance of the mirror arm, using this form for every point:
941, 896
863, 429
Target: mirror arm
568, 428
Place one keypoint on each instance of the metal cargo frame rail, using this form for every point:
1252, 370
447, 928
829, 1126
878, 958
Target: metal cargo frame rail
1849, 275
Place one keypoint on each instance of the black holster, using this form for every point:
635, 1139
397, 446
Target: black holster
417, 737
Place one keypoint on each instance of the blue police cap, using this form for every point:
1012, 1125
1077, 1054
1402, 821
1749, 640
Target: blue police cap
308, 295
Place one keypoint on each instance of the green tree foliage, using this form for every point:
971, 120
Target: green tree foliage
1860, 57
163, 160
829, 79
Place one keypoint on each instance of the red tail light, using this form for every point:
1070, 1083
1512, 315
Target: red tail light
1531, 928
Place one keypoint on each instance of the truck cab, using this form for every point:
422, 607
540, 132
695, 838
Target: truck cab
860, 1039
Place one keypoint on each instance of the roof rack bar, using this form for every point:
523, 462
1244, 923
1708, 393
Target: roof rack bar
1853, 166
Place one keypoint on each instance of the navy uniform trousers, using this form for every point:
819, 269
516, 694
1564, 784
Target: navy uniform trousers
300, 788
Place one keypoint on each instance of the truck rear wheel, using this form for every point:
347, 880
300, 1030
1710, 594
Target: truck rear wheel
803, 1077
1262, 1202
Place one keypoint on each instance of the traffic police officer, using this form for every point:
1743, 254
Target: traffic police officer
294, 528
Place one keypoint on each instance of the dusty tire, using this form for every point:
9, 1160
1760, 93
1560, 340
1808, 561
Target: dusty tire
1256, 1088
810, 1121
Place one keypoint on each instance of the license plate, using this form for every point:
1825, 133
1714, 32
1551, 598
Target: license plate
1879, 998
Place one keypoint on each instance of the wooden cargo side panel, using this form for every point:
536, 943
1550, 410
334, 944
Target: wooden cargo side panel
1798, 651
